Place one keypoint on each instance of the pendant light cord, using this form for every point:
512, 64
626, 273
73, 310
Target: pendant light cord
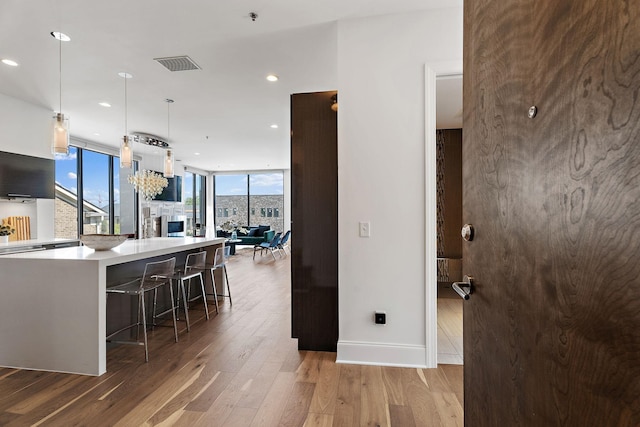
125, 104
60, 74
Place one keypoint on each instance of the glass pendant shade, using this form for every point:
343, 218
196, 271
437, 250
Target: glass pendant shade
168, 165
60, 143
126, 153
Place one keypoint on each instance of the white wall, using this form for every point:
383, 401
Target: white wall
381, 161
26, 129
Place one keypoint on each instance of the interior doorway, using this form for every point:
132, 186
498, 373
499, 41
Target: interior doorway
449, 217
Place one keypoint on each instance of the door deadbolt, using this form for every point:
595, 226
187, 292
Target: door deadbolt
467, 232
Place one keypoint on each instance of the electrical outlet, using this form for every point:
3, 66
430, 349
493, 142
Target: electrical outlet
380, 318
365, 229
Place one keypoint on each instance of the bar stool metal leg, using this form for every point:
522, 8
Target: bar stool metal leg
213, 285
144, 328
204, 298
224, 268
173, 311
185, 303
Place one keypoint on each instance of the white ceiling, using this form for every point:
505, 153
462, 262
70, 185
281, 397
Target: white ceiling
449, 102
223, 111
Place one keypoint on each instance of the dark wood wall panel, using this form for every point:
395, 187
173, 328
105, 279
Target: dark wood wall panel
314, 228
551, 332
450, 203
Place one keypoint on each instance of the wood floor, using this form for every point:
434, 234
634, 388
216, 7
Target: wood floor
450, 331
238, 369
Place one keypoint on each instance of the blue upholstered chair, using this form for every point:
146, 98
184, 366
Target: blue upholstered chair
271, 246
284, 242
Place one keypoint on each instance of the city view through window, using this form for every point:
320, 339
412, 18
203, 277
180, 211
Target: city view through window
242, 200
250, 200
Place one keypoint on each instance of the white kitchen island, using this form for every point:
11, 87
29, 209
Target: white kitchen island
53, 303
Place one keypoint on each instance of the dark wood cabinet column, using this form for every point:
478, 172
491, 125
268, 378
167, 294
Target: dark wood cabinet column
314, 228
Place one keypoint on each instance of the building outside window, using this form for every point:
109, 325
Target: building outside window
195, 200
106, 207
248, 194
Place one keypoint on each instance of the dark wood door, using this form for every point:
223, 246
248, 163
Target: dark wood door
314, 228
552, 330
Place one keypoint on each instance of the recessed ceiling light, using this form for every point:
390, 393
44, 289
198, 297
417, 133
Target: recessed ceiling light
274, 126
196, 154
104, 104
272, 78
96, 134
10, 62
60, 36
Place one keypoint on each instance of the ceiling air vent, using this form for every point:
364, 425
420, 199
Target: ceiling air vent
178, 63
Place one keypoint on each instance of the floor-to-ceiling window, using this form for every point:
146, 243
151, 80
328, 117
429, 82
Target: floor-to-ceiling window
266, 200
106, 206
231, 199
195, 199
66, 205
96, 184
250, 200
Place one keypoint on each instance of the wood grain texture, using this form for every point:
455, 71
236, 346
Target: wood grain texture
550, 335
230, 371
314, 214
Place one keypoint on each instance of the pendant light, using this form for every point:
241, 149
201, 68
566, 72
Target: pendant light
60, 137
168, 160
126, 152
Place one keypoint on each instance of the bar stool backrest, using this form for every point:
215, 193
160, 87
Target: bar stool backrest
195, 261
221, 256
158, 271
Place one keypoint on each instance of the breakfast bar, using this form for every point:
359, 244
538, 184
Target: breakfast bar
53, 305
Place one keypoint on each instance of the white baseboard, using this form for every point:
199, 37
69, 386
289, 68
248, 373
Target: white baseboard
365, 353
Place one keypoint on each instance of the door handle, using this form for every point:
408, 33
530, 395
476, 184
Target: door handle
464, 288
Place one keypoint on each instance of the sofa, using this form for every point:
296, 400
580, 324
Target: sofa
253, 236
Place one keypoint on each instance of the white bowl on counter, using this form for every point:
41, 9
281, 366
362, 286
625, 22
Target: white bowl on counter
102, 242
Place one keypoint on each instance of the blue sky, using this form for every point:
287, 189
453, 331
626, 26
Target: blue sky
261, 184
96, 177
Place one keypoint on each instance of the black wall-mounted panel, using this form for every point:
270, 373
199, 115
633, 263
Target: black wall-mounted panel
173, 191
26, 176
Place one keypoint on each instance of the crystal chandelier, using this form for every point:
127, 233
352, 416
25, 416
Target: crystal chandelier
148, 184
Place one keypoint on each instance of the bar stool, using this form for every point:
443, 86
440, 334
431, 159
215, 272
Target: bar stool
194, 266
220, 262
156, 275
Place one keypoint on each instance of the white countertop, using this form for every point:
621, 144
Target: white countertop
130, 250
34, 242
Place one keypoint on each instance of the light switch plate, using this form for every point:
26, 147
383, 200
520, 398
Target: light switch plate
365, 229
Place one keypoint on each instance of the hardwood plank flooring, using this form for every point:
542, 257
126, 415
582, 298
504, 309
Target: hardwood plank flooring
450, 331
241, 368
